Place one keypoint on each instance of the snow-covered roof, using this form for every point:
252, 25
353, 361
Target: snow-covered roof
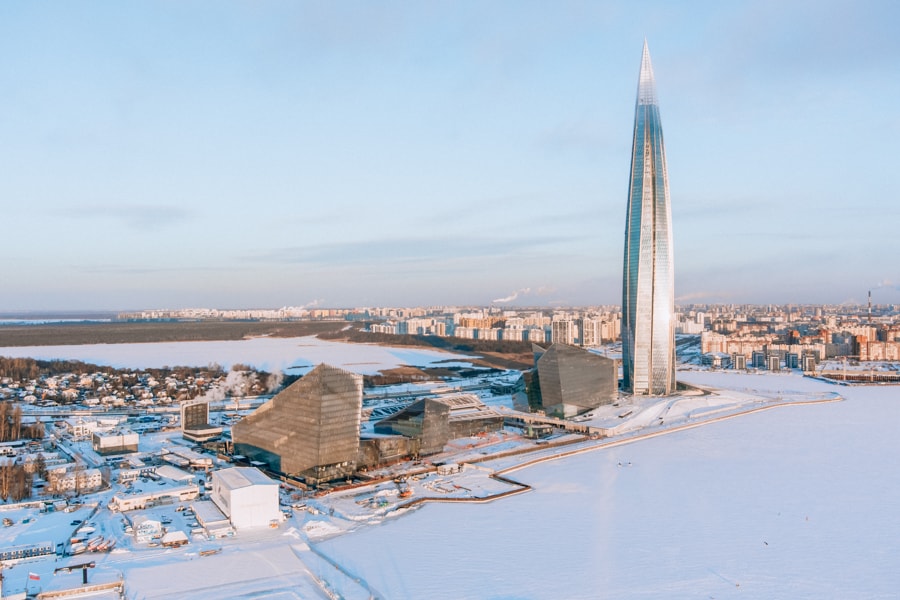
175, 536
173, 473
208, 513
141, 519
239, 477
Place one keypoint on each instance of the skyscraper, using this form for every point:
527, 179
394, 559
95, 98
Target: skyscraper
648, 277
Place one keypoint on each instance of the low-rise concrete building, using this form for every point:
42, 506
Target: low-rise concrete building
145, 529
166, 495
67, 479
119, 441
213, 521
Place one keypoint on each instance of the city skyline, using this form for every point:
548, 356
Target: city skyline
648, 271
238, 155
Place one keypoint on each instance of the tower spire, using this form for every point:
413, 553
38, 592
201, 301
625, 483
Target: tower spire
648, 279
646, 93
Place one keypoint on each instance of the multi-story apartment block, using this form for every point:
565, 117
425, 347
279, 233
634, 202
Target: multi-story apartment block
563, 332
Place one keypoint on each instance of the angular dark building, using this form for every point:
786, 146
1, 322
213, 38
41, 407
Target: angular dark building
648, 278
435, 421
571, 380
309, 430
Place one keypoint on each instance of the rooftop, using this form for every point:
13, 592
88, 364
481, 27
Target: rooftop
239, 477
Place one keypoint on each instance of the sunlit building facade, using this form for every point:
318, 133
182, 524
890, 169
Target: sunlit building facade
648, 279
309, 430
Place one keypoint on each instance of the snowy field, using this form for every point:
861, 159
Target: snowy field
792, 502
795, 502
292, 355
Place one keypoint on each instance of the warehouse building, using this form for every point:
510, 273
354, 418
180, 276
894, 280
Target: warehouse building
213, 521
118, 441
310, 430
167, 495
246, 496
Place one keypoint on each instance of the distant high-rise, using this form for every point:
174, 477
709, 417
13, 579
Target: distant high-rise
648, 278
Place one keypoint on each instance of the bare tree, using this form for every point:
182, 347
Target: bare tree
4, 421
79, 478
40, 466
6, 479
16, 425
21, 484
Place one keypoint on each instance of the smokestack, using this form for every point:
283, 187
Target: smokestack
870, 307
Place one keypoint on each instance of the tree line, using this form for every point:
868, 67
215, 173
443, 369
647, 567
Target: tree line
11, 427
15, 481
24, 369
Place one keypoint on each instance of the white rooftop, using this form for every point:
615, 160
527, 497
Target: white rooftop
239, 477
173, 473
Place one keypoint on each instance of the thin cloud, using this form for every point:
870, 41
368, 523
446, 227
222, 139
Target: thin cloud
137, 216
693, 296
588, 137
411, 250
125, 270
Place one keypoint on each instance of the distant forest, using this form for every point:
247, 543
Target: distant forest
26, 369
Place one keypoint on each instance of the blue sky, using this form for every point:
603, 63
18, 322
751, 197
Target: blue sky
236, 154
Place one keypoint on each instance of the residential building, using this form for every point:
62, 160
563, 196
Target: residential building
195, 425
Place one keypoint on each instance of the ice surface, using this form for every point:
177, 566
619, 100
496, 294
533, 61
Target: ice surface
237, 572
795, 502
296, 355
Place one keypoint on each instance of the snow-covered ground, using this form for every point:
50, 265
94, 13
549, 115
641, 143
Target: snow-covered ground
294, 355
794, 502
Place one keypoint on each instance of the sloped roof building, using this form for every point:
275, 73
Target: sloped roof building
309, 430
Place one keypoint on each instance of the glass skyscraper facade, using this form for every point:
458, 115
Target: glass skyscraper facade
648, 277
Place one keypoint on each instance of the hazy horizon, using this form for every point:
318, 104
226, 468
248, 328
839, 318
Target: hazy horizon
74, 314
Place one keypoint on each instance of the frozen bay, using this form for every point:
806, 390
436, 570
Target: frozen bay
791, 502
292, 355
